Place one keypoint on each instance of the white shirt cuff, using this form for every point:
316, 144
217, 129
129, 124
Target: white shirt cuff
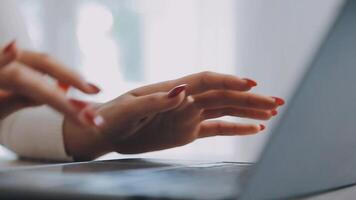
35, 133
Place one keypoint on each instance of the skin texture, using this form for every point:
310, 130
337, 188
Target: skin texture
23, 84
146, 119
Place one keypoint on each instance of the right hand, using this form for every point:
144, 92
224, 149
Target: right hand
23, 84
157, 117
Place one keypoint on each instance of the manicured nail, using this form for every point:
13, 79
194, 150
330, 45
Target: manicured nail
262, 127
9, 47
279, 101
94, 88
177, 90
274, 112
95, 120
250, 83
80, 105
63, 86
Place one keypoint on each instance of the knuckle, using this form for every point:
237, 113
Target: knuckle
205, 76
153, 99
219, 98
224, 95
217, 80
16, 75
225, 83
243, 113
44, 56
249, 100
215, 95
206, 73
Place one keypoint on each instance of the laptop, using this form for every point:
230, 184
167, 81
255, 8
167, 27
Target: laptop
311, 150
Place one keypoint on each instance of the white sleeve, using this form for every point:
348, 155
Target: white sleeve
35, 133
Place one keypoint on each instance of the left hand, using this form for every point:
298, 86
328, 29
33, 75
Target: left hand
155, 117
23, 84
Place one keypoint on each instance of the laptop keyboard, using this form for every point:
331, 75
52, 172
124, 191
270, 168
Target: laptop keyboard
221, 170
182, 181
217, 181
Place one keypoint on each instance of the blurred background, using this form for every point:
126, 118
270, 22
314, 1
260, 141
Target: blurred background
122, 44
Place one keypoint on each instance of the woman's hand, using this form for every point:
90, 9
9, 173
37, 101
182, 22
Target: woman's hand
22, 84
157, 117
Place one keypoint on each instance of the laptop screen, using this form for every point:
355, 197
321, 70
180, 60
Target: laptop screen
313, 148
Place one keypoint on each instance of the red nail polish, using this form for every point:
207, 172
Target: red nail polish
9, 47
63, 86
80, 105
262, 127
250, 83
274, 112
177, 90
279, 101
94, 88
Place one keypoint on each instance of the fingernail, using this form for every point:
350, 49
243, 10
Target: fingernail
279, 101
63, 86
262, 127
95, 120
274, 112
80, 105
177, 90
94, 88
9, 47
250, 83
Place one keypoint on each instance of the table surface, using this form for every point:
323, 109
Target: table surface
10, 161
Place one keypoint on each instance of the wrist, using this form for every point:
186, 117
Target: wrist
82, 143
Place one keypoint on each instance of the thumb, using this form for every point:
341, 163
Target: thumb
160, 102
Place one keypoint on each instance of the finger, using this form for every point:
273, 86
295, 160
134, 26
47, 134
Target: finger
228, 98
159, 102
224, 128
8, 54
30, 83
239, 112
10, 103
205, 81
200, 82
64, 87
48, 65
